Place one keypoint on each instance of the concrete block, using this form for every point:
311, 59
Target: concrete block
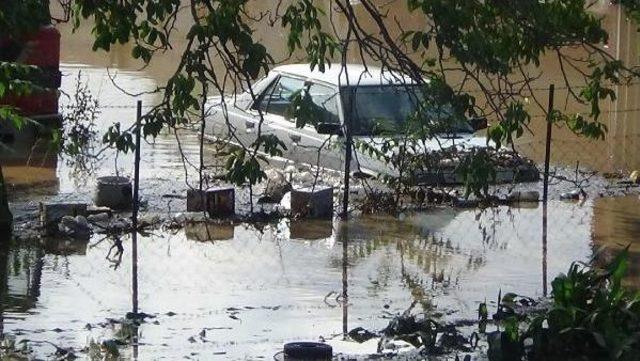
221, 202
524, 196
113, 192
196, 200
52, 214
311, 202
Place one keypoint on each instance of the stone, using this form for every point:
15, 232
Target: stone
524, 196
635, 176
52, 213
196, 200
308, 202
91, 210
99, 218
220, 202
571, 195
77, 227
277, 186
304, 178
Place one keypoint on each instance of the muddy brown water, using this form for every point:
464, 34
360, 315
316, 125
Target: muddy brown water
253, 289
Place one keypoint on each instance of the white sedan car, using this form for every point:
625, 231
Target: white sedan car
372, 95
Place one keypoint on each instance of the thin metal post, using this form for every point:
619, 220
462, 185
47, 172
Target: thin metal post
347, 164
547, 153
134, 216
545, 194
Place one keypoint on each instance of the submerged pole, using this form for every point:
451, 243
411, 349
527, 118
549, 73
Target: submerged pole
134, 216
545, 192
347, 167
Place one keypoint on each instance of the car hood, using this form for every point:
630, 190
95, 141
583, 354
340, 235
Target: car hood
463, 141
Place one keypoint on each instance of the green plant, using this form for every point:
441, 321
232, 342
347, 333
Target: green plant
592, 314
592, 317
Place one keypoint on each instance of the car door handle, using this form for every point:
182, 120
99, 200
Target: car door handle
249, 125
295, 138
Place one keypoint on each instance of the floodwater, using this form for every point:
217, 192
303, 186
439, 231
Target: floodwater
253, 288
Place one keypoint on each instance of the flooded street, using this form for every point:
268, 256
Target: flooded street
240, 291
252, 290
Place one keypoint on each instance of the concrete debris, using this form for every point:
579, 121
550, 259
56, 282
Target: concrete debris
52, 214
277, 187
77, 227
524, 196
572, 195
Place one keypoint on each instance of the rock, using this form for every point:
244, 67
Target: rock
77, 227
361, 335
98, 210
312, 202
290, 170
82, 222
101, 218
148, 220
120, 224
635, 176
277, 186
571, 195
524, 196
52, 214
303, 178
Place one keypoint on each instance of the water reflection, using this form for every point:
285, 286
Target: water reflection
617, 225
252, 289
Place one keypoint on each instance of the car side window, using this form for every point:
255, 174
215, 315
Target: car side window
278, 96
326, 100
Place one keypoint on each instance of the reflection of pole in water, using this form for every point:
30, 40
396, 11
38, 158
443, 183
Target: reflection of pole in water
544, 248
134, 216
134, 235
345, 281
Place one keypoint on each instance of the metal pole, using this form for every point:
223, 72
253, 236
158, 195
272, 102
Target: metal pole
347, 164
134, 216
547, 153
545, 194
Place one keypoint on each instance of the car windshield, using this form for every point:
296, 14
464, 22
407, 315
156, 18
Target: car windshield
384, 109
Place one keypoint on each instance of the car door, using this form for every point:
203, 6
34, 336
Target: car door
275, 107
321, 149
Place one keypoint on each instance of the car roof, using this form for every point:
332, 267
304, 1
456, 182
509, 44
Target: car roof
350, 74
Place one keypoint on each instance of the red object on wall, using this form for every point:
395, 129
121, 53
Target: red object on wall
41, 49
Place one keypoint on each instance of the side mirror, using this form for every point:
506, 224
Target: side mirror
329, 128
478, 123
